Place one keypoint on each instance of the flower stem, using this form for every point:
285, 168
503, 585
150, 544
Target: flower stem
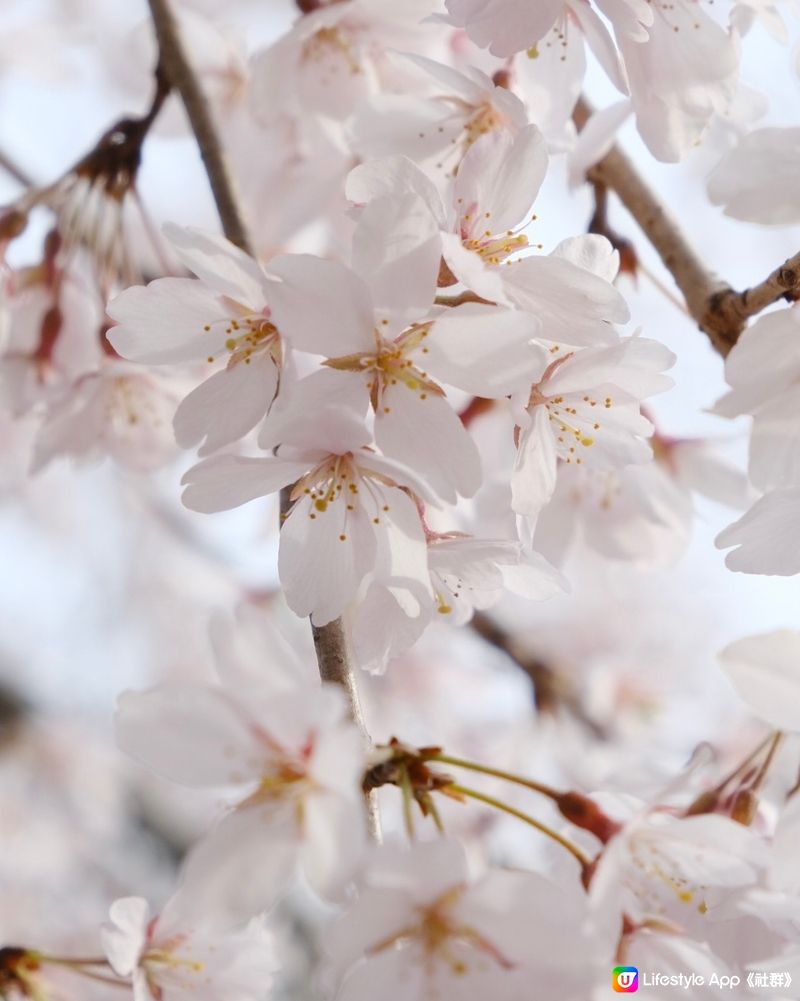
572, 848
540, 787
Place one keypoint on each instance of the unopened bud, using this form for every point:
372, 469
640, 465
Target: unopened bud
583, 812
502, 78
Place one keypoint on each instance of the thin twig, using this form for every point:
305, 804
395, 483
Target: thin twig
718, 309
13, 169
329, 640
183, 78
549, 689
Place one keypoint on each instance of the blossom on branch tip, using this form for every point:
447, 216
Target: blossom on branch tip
345, 498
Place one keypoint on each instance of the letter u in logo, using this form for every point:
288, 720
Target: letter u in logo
625, 979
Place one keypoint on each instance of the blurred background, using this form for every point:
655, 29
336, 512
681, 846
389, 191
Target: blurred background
108, 583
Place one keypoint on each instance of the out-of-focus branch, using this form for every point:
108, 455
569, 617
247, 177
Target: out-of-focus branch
330, 641
13, 169
179, 72
550, 689
719, 310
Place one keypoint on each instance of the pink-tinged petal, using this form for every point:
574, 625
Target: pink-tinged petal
125, 937
171, 321
533, 479
399, 473
499, 178
486, 350
240, 868
323, 557
737, 182
507, 28
570, 301
473, 86
324, 412
473, 271
533, 577
192, 734
765, 671
321, 306
601, 44
387, 621
397, 176
766, 536
397, 251
226, 481
376, 915
220, 265
334, 839
635, 365
775, 441
299, 719
392, 124
226, 406
424, 432
596, 138
592, 253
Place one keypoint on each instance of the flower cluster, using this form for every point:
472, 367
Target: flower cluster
454, 409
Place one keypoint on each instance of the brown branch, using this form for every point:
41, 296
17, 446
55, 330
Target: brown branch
330, 641
179, 72
719, 310
550, 690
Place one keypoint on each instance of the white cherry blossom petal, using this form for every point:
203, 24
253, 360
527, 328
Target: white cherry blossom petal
765, 671
225, 481
227, 405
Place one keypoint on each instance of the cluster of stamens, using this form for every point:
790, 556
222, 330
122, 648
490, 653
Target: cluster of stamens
246, 336
389, 365
339, 484
567, 430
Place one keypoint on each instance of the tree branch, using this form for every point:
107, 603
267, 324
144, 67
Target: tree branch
330, 641
550, 690
719, 310
179, 72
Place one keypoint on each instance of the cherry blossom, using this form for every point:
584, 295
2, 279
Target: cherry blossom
120, 411
683, 74
295, 763
345, 497
394, 608
172, 954
674, 868
421, 928
586, 410
437, 127
337, 55
225, 313
379, 336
